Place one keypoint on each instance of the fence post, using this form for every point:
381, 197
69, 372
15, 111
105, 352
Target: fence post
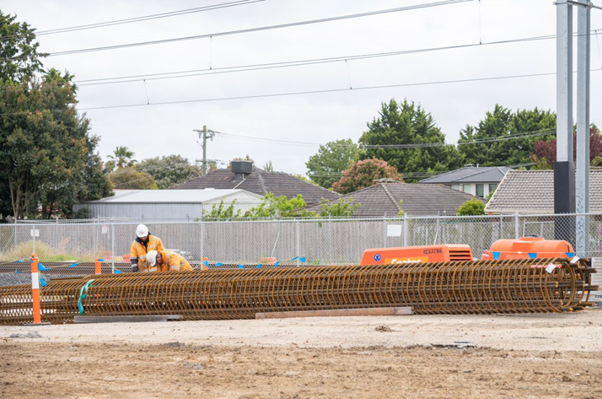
15, 235
202, 241
35, 289
516, 226
298, 234
406, 233
385, 231
34, 238
113, 248
330, 238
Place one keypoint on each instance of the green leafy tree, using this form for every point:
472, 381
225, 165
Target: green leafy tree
220, 211
122, 158
47, 155
516, 133
408, 124
129, 178
18, 50
280, 207
168, 170
472, 207
341, 208
332, 159
362, 174
268, 167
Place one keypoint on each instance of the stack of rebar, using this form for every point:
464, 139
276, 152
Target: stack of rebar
482, 287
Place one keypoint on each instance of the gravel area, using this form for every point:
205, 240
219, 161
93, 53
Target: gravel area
24, 278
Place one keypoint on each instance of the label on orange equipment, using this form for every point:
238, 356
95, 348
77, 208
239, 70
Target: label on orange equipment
398, 261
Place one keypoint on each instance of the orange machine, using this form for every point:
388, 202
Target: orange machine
420, 254
528, 247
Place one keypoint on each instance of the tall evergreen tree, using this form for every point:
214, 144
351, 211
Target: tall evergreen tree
409, 125
515, 132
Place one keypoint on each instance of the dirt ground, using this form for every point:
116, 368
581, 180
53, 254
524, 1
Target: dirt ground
529, 356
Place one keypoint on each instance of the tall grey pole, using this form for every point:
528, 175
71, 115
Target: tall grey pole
583, 76
564, 168
204, 150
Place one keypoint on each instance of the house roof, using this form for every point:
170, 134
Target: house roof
418, 199
470, 174
532, 191
174, 196
261, 182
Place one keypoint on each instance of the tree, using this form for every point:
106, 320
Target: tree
332, 159
268, 167
364, 174
516, 133
122, 158
544, 152
341, 208
47, 157
129, 178
220, 211
408, 124
168, 170
19, 51
472, 207
280, 207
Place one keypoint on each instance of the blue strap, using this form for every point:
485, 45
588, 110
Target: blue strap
41, 267
259, 266
218, 264
73, 264
240, 266
17, 272
43, 282
302, 259
532, 255
20, 261
82, 295
276, 264
117, 271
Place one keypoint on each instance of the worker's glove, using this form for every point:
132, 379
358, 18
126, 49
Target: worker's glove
134, 268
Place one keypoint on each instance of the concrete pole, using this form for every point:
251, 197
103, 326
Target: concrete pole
564, 168
583, 151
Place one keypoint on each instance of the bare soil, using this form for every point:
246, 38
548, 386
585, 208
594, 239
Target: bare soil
531, 356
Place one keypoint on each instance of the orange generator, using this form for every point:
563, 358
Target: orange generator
529, 248
419, 254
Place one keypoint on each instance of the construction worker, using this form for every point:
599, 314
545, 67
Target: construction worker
143, 244
164, 261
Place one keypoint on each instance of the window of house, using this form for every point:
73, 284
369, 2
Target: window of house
456, 187
492, 187
480, 190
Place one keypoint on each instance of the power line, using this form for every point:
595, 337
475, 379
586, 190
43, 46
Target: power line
141, 18
286, 64
515, 136
262, 28
322, 91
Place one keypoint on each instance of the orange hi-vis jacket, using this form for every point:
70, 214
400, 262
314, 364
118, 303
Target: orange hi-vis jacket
173, 262
140, 249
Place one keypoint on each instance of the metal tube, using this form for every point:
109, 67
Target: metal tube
583, 136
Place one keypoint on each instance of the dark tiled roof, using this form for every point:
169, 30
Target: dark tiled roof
470, 174
261, 182
418, 199
532, 191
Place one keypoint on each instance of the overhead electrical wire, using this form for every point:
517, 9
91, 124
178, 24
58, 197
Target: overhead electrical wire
261, 28
322, 91
141, 18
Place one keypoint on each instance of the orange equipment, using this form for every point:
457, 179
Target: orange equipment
419, 254
528, 247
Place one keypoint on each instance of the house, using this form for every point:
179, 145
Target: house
418, 200
473, 180
167, 204
243, 175
532, 191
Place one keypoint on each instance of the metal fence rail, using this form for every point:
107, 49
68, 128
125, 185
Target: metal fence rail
320, 241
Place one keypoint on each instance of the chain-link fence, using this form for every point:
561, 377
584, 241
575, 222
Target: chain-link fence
319, 241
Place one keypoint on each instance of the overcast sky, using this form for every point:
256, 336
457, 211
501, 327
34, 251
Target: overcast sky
157, 130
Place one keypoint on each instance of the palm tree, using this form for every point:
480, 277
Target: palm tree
122, 157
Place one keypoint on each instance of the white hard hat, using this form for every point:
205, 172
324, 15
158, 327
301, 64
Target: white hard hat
151, 257
141, 231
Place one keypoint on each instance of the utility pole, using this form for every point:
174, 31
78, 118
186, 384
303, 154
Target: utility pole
204, 134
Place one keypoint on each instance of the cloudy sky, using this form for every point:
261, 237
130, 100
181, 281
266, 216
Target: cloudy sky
336, 112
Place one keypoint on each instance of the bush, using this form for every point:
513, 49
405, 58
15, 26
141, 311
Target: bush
472, 207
